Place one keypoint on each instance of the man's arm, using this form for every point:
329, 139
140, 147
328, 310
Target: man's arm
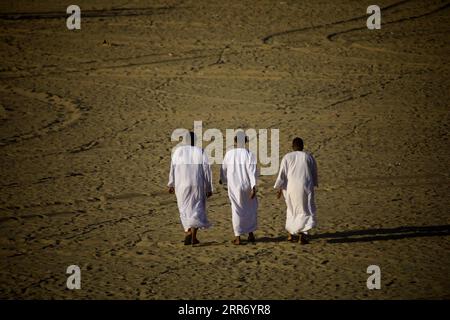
281, 182
313, 167
223, 171
171, 183
252, 173
208, 176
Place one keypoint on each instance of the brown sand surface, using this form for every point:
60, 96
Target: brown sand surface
86, 118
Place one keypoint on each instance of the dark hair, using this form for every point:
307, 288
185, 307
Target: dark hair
297, 143
192, 136
236, 139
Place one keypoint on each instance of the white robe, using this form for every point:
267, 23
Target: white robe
239, 172
297, 178
190, 175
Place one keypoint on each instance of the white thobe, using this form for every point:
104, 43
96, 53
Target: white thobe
190, 175
297, 178
239, 172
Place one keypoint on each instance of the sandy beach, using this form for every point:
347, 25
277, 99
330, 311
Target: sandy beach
87, 115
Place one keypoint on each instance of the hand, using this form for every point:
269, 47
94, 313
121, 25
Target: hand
209, 194
171, 190
279, 193
253, 193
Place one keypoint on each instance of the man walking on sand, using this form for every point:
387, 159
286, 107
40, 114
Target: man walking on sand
190, 179
239, 172
296, 181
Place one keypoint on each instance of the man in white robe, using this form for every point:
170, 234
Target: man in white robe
239, 173
191, 180
296, 181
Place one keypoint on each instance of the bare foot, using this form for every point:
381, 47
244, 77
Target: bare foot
187, 238
195, 241
251, 237
290, 238
236, 241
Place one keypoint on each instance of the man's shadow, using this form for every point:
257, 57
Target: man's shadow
368, 235
274, 239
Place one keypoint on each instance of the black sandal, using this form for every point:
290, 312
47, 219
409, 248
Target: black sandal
303, 239
188, 239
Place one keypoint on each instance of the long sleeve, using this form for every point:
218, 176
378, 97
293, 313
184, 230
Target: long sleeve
223, 171
281, 182
171, 175
207, 174
313, 168
252, 170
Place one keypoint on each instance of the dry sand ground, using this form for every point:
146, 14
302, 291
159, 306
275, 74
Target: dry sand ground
86, 118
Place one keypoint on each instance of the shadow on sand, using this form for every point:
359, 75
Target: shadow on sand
365, 235
274, 239
368, 235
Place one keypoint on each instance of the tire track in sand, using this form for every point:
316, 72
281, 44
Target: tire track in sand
334, 35
268, 39
72, 112
95, 13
